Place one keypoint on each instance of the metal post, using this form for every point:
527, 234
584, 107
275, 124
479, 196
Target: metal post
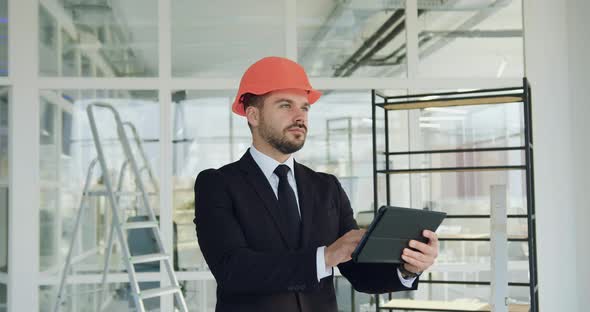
375, 184
530, 196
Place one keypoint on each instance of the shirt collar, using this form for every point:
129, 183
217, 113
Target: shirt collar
267, 164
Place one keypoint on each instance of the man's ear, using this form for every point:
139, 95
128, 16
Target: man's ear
253, 115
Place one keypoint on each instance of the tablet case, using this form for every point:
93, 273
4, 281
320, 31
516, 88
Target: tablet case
391, 231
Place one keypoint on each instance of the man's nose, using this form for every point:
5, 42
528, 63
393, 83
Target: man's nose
301, 116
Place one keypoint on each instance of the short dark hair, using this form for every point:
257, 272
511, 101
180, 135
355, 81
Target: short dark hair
251, 99
254, 100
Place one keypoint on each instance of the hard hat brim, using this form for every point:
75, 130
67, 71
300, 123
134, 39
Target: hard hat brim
238, 107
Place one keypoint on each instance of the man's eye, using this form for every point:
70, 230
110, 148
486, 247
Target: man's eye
287, 105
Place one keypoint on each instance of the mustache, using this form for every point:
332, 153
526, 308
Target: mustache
301, 126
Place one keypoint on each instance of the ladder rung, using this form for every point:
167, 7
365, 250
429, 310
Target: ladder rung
139, 225
157, 292
148, 258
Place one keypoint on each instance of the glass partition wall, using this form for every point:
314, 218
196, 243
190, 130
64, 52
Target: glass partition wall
172, 69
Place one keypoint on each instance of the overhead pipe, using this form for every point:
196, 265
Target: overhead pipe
471, 22
392, 20
468, 24
504, 33
426, 36
321, 34
380, 45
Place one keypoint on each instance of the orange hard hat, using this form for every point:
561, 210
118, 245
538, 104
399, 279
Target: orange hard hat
270, 74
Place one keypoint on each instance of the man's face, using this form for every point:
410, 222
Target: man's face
283, 120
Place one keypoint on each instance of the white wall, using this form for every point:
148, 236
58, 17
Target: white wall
23, 222
546, 55
579, 71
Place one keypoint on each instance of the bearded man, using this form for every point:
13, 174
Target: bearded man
271, 229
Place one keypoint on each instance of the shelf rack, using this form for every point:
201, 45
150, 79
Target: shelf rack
520, 94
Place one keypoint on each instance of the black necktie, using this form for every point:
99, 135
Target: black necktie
288, 206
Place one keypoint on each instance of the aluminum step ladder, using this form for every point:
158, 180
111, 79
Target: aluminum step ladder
119, 228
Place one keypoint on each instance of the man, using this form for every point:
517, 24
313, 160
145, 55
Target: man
271, 229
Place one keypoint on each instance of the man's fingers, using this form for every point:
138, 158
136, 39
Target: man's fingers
425, 249
342, 249
416, 255
353, 239
424, 254
359, 233
423, 265
356, 232
414, 262
432, 237
354, 235
351, 248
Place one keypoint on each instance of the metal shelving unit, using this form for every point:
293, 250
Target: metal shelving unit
521, 94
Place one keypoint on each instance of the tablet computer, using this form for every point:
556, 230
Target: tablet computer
391, 231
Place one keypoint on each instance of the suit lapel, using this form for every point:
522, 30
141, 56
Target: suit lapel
259, 182
306, 206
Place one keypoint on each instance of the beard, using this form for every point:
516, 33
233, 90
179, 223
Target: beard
279, 139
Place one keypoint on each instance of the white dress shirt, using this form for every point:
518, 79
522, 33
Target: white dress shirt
268, 166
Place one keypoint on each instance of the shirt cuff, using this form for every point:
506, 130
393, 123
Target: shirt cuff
322, 269
407, 282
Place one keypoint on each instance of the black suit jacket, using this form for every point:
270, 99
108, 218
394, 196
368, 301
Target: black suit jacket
243, 241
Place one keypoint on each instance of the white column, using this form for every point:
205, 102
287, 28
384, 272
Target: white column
23, 258
546, 55
290, 18
412, 39
499, 247
165, 176
415, 180
579, 67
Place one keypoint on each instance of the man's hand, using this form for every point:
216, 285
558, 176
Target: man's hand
341, 250
419, 261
